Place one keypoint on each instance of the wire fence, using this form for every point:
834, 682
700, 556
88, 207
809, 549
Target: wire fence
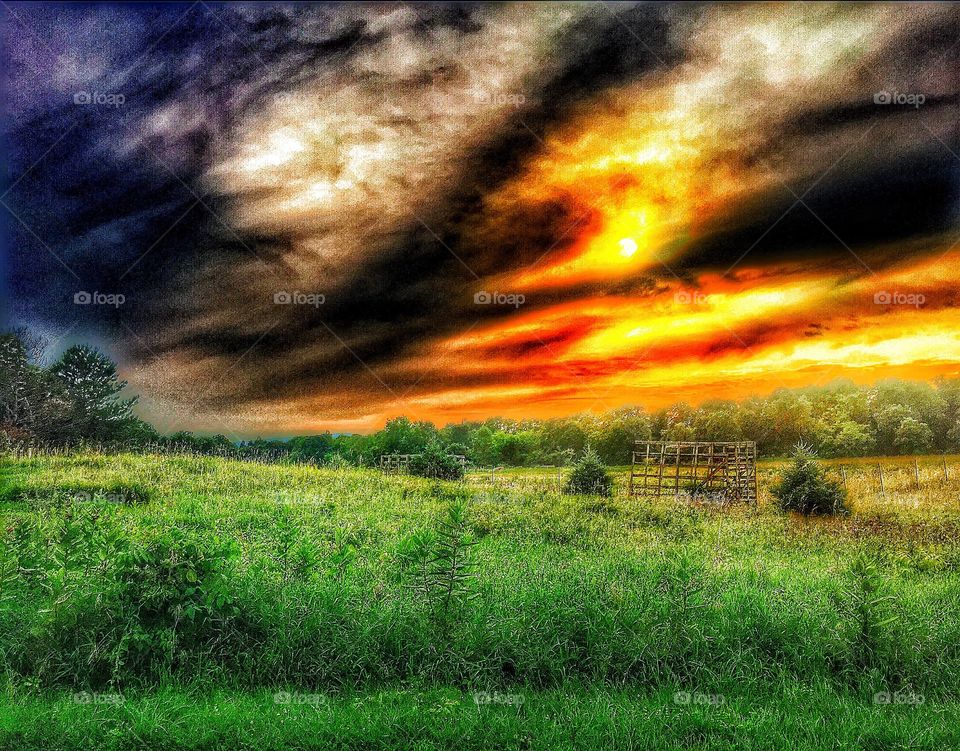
897, 481
893, 480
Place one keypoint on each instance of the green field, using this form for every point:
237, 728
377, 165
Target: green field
154, 603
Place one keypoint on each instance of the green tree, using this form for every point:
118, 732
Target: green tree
402, 436
481, 447
589, 476
716, 421
913, 437
804, 487
311, 448
561, 436
614, 436
887, 420
15, 382
849, 438
953, 437
96, 411
786, 421
514, 449
458, 433
679, 427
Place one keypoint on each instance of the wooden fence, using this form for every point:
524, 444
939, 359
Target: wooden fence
400, 463
934, 474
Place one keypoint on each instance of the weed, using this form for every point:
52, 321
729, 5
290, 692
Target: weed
449, 574
869, 609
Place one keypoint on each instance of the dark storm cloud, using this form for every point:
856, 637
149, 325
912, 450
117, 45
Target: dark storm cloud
857, 205
614, 45
132, 222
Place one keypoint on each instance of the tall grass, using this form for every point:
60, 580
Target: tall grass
131, 573
213, 574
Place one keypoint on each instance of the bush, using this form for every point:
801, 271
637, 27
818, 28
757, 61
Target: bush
589, 476
804, 487
436, 463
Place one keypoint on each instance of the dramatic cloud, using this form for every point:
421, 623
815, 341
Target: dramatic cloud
323, 216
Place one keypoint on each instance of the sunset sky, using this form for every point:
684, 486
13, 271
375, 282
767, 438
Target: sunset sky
320, 217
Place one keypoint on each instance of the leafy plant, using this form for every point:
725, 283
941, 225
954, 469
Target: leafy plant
414, 554
449, 573
589, 476
344, 553
286, 537
174, 595
804, 487
116, 493
70, 534
869, 608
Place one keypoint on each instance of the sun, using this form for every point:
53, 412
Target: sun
628, 246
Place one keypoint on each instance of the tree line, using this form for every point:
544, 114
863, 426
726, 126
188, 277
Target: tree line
78, 399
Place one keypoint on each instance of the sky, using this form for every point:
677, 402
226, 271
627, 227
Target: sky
283, 219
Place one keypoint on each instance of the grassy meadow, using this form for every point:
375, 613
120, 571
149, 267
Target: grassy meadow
152, 602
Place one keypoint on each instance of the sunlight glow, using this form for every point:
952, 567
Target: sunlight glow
628, 246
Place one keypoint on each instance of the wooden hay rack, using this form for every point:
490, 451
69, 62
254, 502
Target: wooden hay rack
718, 471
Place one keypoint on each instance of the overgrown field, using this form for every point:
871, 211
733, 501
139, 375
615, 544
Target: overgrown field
157, 602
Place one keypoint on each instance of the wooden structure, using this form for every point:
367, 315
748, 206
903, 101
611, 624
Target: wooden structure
722, 471
400, 463
394, 463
